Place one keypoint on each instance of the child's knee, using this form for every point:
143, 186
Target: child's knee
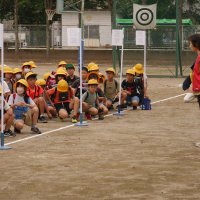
63, 114
93, 111
35, 110
19, 125
40, 100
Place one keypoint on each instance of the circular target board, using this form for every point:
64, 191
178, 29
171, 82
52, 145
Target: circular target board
144, 16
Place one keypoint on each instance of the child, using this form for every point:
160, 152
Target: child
139, 74
194, 41
62, 65
63, 100
61, 74
25, 110
36, 93
8, 117
50, 80
6, 90
17, 74
111, 88
91, 105
131, 91
76, 84
71, 70
26, 67
101, 96
8, 73
48, 108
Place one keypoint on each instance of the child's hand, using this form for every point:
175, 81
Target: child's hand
22, 104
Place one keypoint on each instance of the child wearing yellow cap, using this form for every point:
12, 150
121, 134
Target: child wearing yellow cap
63, 100
111, 88
25, 109
8, 117
132, 92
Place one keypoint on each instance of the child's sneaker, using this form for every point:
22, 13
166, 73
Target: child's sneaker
134, 107
88, 116
9, 133
101, 117
74, 120
42, 119
35, 130
17, 130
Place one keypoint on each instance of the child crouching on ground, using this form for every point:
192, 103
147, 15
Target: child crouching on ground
63, 100
25, 110
111, 88
8, 117
132, 92
36, 93
91, 105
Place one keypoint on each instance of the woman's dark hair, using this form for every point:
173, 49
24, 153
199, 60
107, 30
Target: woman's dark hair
195, 40
26, 97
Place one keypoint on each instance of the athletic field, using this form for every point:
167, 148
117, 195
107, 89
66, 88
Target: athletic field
148, 155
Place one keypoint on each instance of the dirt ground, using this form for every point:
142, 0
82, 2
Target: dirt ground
143, 155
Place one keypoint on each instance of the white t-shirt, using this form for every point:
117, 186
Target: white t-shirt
19, 99
6, 105
5, 87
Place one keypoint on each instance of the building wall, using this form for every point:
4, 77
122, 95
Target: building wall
91, 18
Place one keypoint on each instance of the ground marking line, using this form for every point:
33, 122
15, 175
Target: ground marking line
72, 125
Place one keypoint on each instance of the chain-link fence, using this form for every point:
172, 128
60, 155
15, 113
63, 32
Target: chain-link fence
163, 37
34, 36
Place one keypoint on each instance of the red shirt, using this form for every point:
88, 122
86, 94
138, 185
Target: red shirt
55, 92
36, 92
196, 76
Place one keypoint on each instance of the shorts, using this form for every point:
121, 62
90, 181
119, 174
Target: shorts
64, 106
113, 100
27, 118
131, 99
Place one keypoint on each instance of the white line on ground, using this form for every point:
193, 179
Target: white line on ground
72, 125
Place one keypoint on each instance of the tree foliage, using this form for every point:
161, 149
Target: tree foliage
33, 12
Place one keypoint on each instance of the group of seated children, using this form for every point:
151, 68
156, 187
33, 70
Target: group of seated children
29, 100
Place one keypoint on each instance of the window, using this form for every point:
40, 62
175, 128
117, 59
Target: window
91, 32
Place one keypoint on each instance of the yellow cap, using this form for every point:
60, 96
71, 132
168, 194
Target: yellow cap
30, 74
26, 64
110, 70
62, 63
90, 65
138, 68
17, 70
92, 82
102, 78
40, 82
93, 73
32, 64
130, 71
46, 75
62, 86
94, 68
8, 69
61, 71
23, 82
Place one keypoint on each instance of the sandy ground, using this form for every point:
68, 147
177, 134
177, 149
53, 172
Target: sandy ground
144, 155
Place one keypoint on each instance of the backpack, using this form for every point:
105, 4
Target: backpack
105, 85
37, 89
62, 96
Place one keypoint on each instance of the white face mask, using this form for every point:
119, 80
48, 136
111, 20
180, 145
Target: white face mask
26, 70
20, 90
18, 76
